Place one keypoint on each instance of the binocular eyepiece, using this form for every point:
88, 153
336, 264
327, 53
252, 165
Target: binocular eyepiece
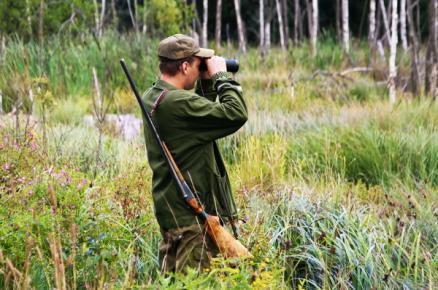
232, 65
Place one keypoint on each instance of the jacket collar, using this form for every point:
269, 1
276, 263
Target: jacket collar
163, 85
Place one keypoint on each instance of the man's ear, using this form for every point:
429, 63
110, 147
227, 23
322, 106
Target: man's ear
184, 67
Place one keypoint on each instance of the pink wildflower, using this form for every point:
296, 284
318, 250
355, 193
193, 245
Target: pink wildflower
16, 145
82, 183
6, 166
33, 146
62, 174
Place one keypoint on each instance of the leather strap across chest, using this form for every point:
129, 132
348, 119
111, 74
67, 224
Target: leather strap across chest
158, 101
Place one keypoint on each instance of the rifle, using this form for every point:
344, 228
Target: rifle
227, 244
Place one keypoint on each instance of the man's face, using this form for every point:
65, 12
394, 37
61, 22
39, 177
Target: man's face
191, 71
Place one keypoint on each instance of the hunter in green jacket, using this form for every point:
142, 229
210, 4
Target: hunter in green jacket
190, 123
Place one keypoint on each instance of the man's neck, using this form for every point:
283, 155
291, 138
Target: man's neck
173, 80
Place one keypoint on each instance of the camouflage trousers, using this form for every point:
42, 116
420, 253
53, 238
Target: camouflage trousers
186, 247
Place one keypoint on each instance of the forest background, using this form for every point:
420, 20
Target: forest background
335, 174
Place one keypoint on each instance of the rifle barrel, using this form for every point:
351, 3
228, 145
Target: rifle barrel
176, 173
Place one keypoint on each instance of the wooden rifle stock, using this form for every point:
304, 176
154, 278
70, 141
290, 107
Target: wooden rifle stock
227, 244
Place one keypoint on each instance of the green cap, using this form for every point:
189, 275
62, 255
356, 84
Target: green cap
180, 46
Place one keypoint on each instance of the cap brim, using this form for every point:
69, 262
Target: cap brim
205, 53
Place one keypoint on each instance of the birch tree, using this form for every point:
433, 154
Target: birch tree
385, 20
415, 73
314, 34
218, 23
267, 33
403, 24
372, 26
280, 25
99, 14
240, 28
145, 14
133, 19
261, 25
393, 50
345, 27
204, 23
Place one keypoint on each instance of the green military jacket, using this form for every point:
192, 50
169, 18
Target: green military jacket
190, 123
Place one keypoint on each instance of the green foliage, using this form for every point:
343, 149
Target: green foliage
11, 18
22, 17
337, 187
364, 91
168, 16
367, 154
67, 65
69, 112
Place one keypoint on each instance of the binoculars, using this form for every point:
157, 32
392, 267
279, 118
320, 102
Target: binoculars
232, 65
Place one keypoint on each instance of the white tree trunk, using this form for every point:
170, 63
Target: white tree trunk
144, 27
393, 50
385, 20
403, 25
280, 25
261, 24
99, 14
345, 27
381, 51
315, 24
133, 19
267, 45
240, 29
1, 103
204, 24
96, 16
372, 25
218, 23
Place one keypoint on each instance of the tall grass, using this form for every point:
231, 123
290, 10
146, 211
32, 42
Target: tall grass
337, 187
68, 64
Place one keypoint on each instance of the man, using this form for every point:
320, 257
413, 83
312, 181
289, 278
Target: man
190, 123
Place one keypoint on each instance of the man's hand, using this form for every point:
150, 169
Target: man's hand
215, 64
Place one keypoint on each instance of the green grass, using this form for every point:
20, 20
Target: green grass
338, 186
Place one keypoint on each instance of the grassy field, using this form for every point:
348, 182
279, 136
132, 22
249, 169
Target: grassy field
337, 186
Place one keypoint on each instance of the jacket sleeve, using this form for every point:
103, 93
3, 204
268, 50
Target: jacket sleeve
208, 120
205, 89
